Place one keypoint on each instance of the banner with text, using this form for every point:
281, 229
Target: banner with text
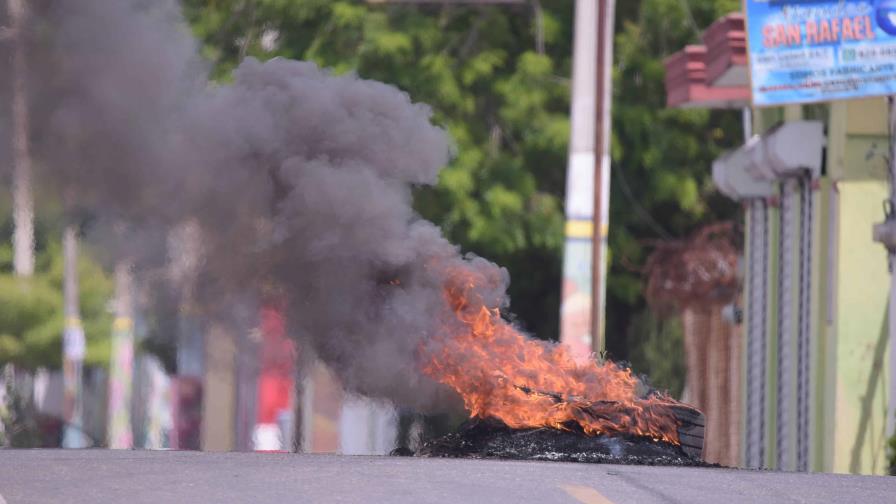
816, 50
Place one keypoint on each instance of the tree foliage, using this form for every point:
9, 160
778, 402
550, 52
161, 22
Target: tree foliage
31, 312
662, 186
506, 105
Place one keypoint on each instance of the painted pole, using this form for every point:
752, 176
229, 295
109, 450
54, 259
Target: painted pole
73, 345
587, 180
121, 373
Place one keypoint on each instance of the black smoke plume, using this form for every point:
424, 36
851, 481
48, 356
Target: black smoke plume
299, 182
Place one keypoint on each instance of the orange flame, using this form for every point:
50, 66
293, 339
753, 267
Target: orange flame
501, 373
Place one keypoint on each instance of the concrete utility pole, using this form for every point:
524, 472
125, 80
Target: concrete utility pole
121, 372
73, 344
588, 179
23, 202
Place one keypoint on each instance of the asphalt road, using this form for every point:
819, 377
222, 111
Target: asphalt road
131, 477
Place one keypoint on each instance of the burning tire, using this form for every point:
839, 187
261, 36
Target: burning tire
692, 425
491, 438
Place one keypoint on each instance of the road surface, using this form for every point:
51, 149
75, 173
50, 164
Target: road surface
132, 477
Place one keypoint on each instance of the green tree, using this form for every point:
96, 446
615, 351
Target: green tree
506, 105
503, 102
660, 354
31, 315
662, 185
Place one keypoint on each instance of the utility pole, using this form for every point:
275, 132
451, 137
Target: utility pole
23, 202
588, 180
73, 344
121, 372
604, 26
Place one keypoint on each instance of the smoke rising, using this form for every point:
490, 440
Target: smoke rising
297, 181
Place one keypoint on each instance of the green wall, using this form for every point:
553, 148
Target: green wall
860, 394
859, 385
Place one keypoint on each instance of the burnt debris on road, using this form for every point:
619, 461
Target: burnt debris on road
490, 439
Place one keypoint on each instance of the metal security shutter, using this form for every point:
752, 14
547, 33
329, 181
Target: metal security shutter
794, 328
757, 334
804, 327
787, 238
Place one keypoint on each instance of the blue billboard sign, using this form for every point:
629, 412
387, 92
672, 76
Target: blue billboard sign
815, 50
